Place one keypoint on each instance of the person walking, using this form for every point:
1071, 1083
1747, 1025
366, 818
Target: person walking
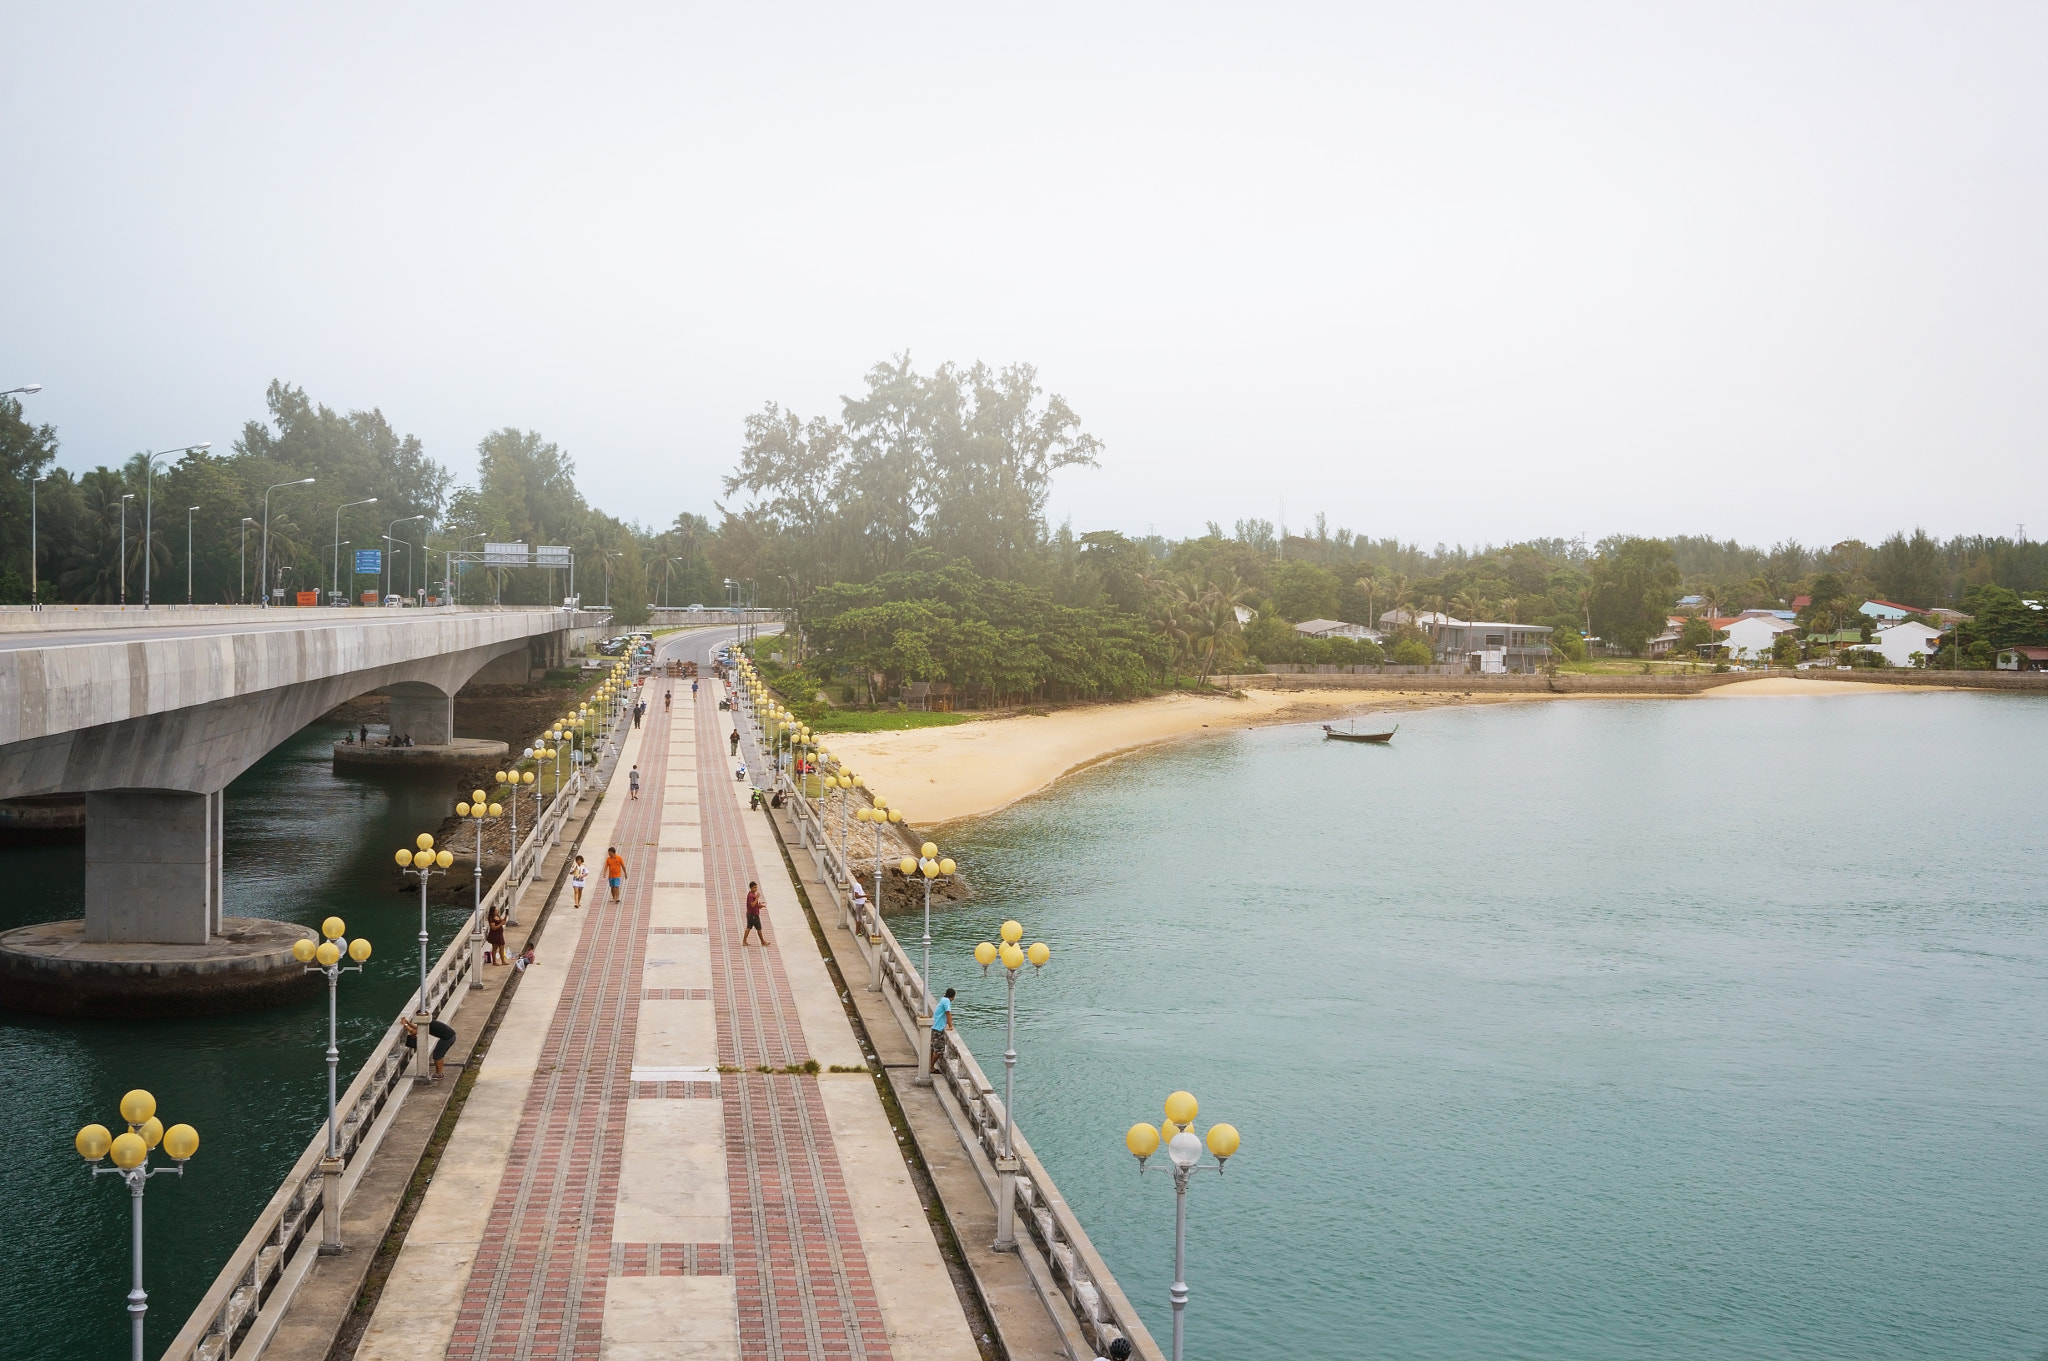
639, 709
754, 906
577, 877
668, 698
633, 781
734, 741
614, 869
942, 1021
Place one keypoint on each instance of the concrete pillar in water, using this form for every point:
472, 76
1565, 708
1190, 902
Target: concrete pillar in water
423, 713
152, 867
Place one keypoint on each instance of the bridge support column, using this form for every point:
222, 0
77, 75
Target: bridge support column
152, 867
422, 713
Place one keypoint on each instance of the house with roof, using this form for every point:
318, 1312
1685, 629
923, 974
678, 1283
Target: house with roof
1885, 609
1902, 642
1493, 649
1751, 633
1335, 628
2023, 659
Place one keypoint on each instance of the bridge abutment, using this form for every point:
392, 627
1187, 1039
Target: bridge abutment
421, 712
152, 867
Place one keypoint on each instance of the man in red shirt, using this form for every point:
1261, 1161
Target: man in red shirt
754, 905
614, 869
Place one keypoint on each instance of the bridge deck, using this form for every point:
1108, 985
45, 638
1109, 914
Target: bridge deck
609, 1193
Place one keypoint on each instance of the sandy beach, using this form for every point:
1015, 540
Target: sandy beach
939, 774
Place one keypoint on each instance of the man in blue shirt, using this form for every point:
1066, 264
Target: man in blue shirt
942, 1021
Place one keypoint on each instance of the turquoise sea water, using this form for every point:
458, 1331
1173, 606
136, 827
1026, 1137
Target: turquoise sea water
1705, 1029
302, 843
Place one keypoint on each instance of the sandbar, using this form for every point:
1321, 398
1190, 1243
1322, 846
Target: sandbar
1765, 687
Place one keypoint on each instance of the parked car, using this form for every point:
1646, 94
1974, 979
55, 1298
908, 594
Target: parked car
394, 602
696, 609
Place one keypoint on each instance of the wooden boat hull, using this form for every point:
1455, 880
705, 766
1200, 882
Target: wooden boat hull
1379, 737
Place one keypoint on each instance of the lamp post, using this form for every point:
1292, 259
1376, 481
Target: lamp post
131, 1164
1185, 1152
325, 957
263, 562
515, 777
188, 553
1013, 957
149, 506
423, 862
35, 591
478, 812
126, 497
928, 866
334, 588
881, 815
387, 549
242, 582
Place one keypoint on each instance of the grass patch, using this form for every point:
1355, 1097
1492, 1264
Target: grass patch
881, 720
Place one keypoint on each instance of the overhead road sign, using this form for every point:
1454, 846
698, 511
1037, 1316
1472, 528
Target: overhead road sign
369, 561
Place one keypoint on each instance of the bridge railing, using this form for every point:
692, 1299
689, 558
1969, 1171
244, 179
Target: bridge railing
1066, 1263
238, 1316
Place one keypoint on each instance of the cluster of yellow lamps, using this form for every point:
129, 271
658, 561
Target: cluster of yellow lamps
328, 952
145, 1132
1144, 1140
1011, 952
426, 857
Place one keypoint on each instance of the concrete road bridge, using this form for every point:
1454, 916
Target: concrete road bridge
150, 715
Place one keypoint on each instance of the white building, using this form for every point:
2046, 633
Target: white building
1884, 609
1333, 628
1751, 636
1898, 643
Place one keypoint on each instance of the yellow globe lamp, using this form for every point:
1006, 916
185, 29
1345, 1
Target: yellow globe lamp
1223, 1141
881, 802
128, 1151
477, 797
302, 950
137, 1106
497, 810
359, 949
526, 778
329, 954
860, 815
984, 954
1013, 958
1181, 1108
928, 850
92, 1142
444, 859
151, 1131
1142, 1140
857, 784
947, 866
930, 868
1038, 954
499, 777
181, 1142
404, 857
334, 928
462, 810
895, 815
425, 841
422, 859
906, 865
1013, 932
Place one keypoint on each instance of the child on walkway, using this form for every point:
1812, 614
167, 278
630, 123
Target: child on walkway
754, 906
614, 869
576, 878
633, 781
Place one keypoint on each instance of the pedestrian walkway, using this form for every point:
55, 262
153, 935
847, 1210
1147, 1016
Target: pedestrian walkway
626, 1182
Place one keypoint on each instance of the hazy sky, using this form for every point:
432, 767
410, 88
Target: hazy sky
1447, 272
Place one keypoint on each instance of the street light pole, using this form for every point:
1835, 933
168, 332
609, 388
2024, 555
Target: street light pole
149, 507
326, 958
387, 549
188, 553
126, 497
1184, 1149
35, 593
479, 812
1013, 957
334, 589
242, 583
131, 1165
423, 862
263, 563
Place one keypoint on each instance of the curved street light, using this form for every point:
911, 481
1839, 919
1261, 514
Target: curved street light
149, 506
188, 553
131, 1164
263, 562
387, 549
479, 811
423, 862
334, 588
1184, 1150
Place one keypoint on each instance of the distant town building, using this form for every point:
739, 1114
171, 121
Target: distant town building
2023, 659
1492, 649
1886, 609
1336, 628
1751, 633
1899, 643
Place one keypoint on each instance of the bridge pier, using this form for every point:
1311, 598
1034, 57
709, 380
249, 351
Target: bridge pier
152, 867
422, 712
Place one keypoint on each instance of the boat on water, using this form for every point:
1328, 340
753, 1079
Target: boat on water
1331, 734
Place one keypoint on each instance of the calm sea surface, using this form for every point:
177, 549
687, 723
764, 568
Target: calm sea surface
1711, 1029
302, 843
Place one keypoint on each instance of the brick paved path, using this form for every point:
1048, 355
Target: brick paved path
802, 1280
537, 1288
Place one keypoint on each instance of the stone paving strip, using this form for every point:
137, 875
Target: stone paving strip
624, 1183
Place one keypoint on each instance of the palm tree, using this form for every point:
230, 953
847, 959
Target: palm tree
1471, 604
1511, 606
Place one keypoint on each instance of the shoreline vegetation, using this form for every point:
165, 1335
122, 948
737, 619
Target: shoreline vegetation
978, 767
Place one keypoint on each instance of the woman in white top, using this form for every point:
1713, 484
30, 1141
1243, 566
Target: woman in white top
576, 878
